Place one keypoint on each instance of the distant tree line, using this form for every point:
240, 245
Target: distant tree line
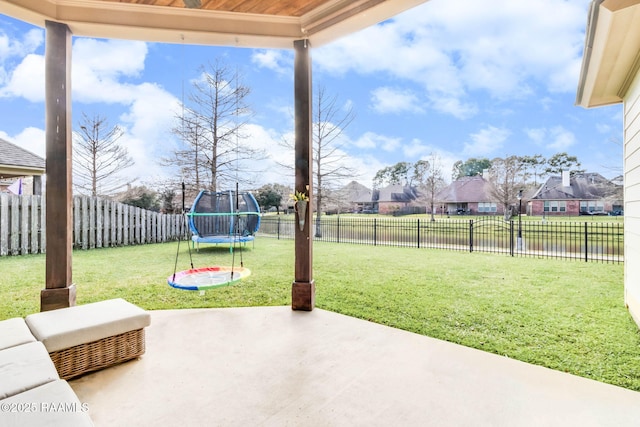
531, 169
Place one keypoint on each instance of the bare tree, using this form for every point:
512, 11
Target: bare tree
189, 158
506, 177
429, 179
330, 119
98, 157
215, 152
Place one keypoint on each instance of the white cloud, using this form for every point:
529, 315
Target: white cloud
372, 141
390, 100
536, 135
504, 48
17, 48
27, 79
275, 60
556, 138
97, 68
603, 128
486, 141
454, 107
416, 149
100, 68
561, 139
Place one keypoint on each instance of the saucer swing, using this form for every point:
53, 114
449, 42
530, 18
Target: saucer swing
215, 218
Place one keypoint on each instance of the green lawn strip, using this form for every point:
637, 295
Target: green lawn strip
566, 315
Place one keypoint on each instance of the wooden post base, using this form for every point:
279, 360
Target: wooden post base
303, 295
52, 299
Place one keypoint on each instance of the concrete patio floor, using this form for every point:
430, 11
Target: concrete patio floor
271, 366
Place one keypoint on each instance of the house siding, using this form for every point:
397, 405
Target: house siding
631, 123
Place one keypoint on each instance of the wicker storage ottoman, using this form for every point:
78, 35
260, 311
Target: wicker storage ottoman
89, 337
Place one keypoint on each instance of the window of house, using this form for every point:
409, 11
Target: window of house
487, 207
555, 206
591, 206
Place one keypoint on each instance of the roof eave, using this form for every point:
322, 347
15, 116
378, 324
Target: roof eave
193, 26
611, 56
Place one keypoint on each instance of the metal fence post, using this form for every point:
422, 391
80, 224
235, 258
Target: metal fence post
375, 231
418, 233
511, 237
470, 235
586, 242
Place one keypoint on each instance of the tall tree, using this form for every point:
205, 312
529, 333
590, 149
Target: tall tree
534, 166
470, 167
331, 166
330, 119
506, 177
563, 162
393, 175
271, 195
215, 152
98, 157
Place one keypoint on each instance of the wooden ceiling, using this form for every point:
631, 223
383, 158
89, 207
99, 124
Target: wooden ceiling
260, 7
243, 23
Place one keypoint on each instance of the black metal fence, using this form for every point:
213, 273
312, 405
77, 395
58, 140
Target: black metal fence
584, 241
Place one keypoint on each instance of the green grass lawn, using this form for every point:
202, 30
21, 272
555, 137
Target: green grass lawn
565, 315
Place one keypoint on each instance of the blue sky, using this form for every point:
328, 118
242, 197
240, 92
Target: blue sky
459, 78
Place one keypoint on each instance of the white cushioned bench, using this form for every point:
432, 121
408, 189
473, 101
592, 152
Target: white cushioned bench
88, 337
24, 367
14, 332
51, 404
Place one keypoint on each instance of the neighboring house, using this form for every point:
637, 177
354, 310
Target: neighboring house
16, 163
359, 197
396, 198
611, 75
580, 194
468, 195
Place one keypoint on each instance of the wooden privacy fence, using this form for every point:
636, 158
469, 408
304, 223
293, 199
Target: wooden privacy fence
97, 223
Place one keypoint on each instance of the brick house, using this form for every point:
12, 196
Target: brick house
468, 195
580, 194
397, 198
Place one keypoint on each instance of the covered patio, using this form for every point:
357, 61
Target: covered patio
273, 366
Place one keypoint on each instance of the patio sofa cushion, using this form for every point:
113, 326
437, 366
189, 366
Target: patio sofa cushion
14, 332
81, 324
51, 404
24, 367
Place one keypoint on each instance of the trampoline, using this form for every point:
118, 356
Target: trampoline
223, 217
200, 279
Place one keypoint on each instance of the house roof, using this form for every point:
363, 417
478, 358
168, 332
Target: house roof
395, 193
466, 189
612, 46
16, 161
584, 186
242, 23
357, 193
